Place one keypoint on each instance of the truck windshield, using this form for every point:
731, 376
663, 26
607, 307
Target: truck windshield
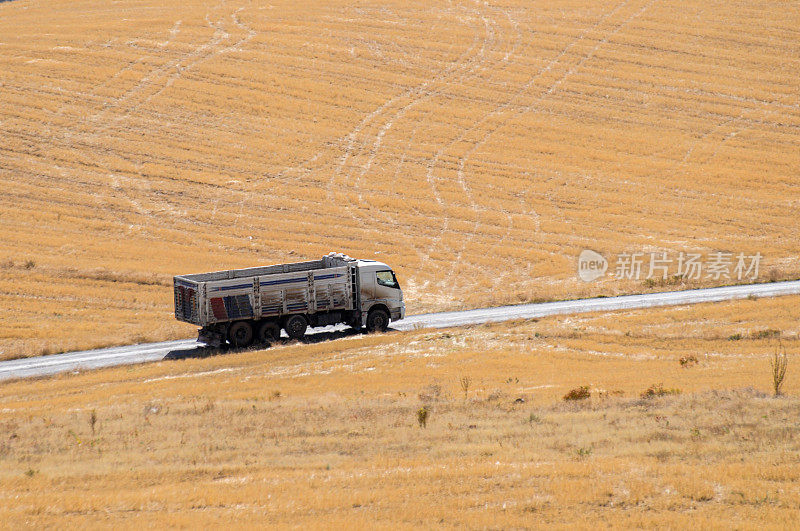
387, 278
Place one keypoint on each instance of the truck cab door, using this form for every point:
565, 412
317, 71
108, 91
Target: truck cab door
386, 286
367, 286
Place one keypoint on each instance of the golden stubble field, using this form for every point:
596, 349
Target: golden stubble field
327, 434
475, 146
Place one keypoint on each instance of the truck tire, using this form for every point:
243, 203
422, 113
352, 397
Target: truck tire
296, 326
240, 334
269, 332
377, 320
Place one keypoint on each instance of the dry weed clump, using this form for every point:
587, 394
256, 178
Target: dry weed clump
778, 363
767, 333
657, 390
578, 393
422, 416
465, 381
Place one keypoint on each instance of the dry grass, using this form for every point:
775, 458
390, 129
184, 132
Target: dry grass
478, 147
330, 434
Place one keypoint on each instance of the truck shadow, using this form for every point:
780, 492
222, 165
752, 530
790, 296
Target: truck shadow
203, 351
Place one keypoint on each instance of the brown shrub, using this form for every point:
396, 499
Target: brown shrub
579, 393
659, 390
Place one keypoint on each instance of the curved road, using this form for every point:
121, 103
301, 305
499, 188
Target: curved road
107, 357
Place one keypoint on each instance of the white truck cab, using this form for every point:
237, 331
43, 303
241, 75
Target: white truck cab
379, 286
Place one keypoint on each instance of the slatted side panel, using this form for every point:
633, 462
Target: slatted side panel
186, 307
324, 299
284, 293
289, 293
230, 300
332, 289
332, 296
339, 296
238, 306
296, 299
271, 301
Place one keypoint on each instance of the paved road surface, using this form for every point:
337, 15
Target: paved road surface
92, 359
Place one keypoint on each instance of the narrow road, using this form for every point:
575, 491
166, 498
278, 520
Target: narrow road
107, 357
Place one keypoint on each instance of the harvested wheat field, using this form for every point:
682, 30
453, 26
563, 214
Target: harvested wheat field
476, 146
332, 434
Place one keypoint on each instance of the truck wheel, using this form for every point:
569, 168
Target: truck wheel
377, 320
240, 334
295, 326
269, 332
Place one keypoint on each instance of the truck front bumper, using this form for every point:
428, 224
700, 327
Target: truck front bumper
398, 313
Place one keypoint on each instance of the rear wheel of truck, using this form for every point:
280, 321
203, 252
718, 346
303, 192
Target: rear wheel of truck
296, 326
240, 334
269, 332
377, 320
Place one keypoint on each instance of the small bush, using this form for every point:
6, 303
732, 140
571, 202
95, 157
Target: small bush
579, 393
465, 381
735, 337
93, 420
767, 333
659, 390
584, 452
778, 363
422, 417
29, 264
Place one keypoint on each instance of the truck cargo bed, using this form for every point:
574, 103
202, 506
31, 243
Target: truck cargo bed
269, 291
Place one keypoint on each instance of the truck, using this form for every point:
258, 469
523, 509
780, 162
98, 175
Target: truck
239, 307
